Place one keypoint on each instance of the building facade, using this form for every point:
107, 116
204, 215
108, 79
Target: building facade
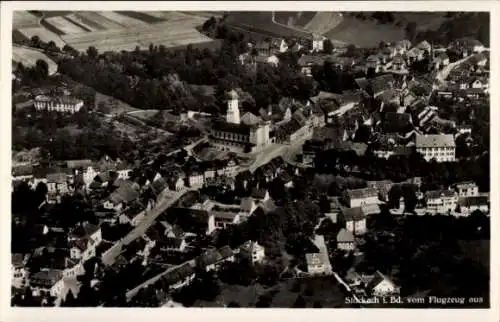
440, 147
63, 104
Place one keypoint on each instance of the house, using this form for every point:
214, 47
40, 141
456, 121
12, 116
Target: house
134, 213
195, 180
467, 205
441, 201
47, 280
318, 42
440, 147
247, 206
467, 189
179, 276
19, 271
373, 63
441, 61
414, 55
318, 264
260, 195
358, 197
253, 251
381, 285
227, 254
62, 104
224, 219
86, 230
345, 240
354, 220
402, 46
22, 172
58, 182
470, 44
209, 260
127, 192
383, 187
399, 64
271, 60
306, 63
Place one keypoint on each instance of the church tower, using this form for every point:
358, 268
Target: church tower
233, 112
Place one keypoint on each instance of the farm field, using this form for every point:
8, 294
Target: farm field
294, 18
82, 22
142, 16
123, 30
28, 58
122, 20
24, 19
261, 22
167, 34
98, 21
64, 26
323, 22
364, 33
44, 34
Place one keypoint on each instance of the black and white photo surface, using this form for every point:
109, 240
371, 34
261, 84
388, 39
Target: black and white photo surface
252, 159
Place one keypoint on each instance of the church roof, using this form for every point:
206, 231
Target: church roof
231, 128
250, 119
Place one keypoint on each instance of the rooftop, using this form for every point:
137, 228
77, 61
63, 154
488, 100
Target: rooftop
435, 140
353, 214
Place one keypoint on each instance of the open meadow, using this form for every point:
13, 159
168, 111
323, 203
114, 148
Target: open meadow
28, 58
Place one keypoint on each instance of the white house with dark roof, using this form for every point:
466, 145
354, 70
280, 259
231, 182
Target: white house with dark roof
319, 263
253, 251
441, 201
381, 285
436, 146
345, 240
359, 197
354, 220
467, 189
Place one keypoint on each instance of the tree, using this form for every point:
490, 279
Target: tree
300, 302
328, 46
41, 69
92, 52
411, 30
233, 304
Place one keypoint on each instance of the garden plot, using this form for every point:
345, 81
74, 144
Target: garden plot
44, 35
122, 20
65, 26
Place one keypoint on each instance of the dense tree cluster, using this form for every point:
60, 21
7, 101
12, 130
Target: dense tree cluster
400, 168
427, 253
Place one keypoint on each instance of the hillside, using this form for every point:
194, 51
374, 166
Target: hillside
261, 23
367, 29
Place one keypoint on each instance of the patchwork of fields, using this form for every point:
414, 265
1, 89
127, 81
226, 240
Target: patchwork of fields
110, 30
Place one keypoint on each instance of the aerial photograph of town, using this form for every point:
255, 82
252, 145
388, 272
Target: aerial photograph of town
250, 159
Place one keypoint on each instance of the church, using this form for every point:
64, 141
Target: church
248, 133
